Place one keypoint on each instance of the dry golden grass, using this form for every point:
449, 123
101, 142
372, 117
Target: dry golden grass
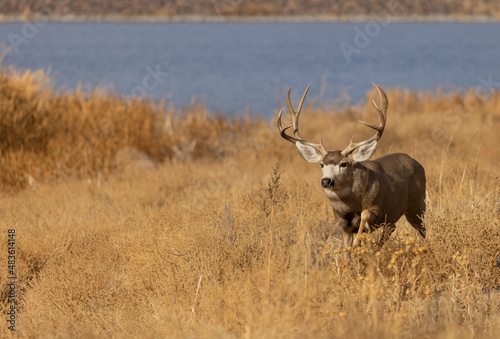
219, 241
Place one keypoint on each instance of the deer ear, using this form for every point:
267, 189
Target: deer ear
365, 152
308, 152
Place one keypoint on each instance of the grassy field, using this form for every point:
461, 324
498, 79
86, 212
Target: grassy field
132, 220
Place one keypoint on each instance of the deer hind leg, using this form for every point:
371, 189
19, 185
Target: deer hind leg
415, 219
367, 220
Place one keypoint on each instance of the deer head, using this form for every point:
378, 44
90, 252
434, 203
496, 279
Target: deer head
337, 166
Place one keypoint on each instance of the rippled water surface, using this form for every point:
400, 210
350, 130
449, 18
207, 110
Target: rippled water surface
231, 66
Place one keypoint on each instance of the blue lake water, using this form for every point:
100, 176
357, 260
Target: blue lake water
232, 66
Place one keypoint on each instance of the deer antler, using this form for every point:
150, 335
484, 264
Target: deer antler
380, 128
295, 123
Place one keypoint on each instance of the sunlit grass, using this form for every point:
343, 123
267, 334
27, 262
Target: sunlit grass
211, 238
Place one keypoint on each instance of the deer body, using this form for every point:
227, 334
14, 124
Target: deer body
365, 194
388, 187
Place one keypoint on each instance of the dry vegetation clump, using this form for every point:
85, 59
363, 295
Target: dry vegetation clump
45, 136
231, 244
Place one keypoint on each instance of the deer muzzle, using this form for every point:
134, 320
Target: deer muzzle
327, 183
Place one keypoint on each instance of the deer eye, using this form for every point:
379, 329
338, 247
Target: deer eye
322, 165
343, 164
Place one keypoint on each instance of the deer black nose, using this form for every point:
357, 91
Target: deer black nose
326, 183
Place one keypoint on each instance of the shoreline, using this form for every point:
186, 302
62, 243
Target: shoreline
112, 18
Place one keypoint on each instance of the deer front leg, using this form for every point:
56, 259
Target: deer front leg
347, 238
367, 220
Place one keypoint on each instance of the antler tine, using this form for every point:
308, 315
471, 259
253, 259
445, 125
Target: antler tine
295, 115
283, 130
295, 122
380, 128
382, 112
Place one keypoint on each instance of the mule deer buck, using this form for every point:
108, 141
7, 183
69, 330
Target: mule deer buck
364, 194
